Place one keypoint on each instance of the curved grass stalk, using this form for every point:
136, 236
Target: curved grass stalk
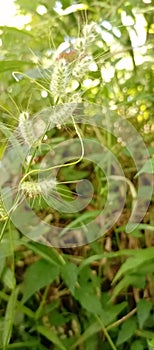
38, 171
31, 79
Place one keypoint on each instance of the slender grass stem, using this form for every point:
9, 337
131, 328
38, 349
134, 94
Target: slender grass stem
105, 332
37, 171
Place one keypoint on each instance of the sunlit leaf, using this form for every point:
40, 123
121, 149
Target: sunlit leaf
13, 65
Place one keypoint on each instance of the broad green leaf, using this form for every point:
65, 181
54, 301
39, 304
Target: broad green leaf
69, 274
37, 276
89, 301
50, 335
9, 318
143, 311
127, 330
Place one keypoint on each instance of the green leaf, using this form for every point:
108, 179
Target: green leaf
15, 31
142, 256
9, 318
127, 330
89, 301
13, 65
28, 5
57, 318
148, 167
49, 254
90, 331
8, 278
95, 327
50, 335
151, 344
72, 174
111, 312
37, 276
137, 281
83, 218
137, 345
69, 274
2, 264
143, 311
64, 192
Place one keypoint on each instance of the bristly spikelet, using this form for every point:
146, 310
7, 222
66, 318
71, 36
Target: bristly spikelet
81, 67
30, 189
89, 32
60, 78
3, 213
26, 128
88, 36
63, 112
30, 130
75, 99
80, 45
34, 189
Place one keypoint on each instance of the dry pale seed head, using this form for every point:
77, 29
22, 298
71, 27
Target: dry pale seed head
90, 31
80, 44
3, 213
81, 67
60, 78
30, 189
62, 112
75, 99
34, 189
27, 132
30, 129
23, 116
